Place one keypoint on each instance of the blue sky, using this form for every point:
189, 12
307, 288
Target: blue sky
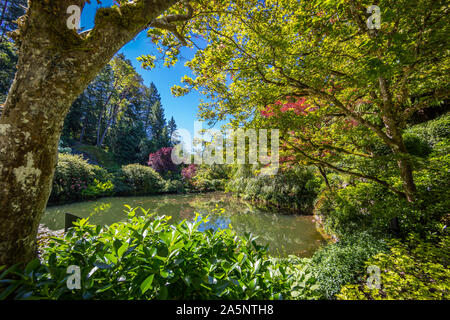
183, 109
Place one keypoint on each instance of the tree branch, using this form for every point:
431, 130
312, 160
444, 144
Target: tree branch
167, 22
356, 174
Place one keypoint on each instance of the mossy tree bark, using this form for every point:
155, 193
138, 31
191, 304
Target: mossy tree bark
55, 66
392, 119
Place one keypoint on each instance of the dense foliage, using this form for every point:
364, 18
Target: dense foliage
147, 258
174, 186
8, 60
344, 97
209, 178
135, 179
120, 114
76, 179
332, 84
343, 262
363, 206
98, 188
205, 178
294, 188
433, 131
414, 269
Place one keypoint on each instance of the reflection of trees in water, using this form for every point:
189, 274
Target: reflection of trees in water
284, 234
186, 212
99, 212
266, 227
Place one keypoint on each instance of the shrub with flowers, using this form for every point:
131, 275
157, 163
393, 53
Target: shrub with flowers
188, 173
73, 174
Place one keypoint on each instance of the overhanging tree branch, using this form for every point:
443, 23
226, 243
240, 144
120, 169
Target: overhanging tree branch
356, 174
167, 22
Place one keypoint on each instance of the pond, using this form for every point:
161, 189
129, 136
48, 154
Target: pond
285, 234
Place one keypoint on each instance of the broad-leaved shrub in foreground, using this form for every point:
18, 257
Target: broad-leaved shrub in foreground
148, 258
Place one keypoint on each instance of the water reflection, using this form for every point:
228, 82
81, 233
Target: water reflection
285, 234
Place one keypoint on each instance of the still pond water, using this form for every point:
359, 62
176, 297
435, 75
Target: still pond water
285, 234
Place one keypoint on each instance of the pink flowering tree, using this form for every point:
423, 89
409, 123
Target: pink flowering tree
161, 161
315, 133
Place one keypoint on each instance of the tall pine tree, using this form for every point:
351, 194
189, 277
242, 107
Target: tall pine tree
171, 128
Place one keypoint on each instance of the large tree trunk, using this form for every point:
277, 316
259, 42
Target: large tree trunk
403, 162
55, 66
30, 128
406, 173
392, 119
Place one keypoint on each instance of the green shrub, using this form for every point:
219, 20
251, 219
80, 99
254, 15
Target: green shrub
147, 258
439, 129
63, 148
204, 185
416, 145
303, 280
209, 178
102, 175
414, 270
343, 262
97, 189
72, 176
342, 213
174, 186
370, 206
358, 208
295, 188
433, 131
136, 179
